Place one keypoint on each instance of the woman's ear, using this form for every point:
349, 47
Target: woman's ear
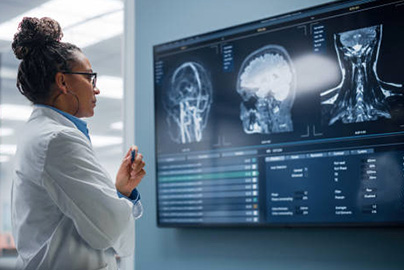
60, 82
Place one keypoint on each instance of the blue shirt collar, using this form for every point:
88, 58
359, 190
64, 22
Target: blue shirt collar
80, 124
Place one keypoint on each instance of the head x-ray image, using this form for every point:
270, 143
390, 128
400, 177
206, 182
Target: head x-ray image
267, 85
361, 95
187, 101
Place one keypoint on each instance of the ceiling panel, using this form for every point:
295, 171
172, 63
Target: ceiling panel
11, 8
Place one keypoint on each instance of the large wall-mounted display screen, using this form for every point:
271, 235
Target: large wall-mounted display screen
294, 120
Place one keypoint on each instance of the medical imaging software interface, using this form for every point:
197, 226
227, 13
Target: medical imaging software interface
293, 120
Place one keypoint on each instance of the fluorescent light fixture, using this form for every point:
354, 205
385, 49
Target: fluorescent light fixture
95, 30
93, 22
5, 131
102, 141
15, 112
4, 159
110, 87
117, 125
8, 149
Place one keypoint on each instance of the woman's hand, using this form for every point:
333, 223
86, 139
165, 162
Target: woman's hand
130, 174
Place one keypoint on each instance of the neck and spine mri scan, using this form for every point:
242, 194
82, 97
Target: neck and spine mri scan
361, 96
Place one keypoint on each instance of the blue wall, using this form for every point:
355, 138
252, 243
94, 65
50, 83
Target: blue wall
159, 21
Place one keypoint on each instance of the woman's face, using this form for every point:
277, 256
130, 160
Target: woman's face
81, 86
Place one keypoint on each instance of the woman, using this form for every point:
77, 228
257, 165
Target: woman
66, 211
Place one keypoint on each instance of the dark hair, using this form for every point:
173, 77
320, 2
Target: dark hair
37, 44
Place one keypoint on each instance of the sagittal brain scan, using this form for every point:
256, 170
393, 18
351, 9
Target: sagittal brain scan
266, 83
361, 96
187, 102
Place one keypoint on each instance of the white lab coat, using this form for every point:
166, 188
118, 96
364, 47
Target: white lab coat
65, 210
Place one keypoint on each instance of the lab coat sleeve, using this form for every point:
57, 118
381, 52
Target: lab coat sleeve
84, 192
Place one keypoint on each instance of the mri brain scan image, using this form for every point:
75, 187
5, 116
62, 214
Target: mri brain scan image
361, 95
187, 102
267, 84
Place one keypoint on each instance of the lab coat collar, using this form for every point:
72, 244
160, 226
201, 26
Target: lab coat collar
80, 124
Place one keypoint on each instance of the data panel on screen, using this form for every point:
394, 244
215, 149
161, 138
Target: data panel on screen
294, 120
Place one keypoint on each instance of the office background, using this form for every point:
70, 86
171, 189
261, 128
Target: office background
151, 22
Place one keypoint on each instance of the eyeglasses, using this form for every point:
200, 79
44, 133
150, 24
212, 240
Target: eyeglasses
92, 76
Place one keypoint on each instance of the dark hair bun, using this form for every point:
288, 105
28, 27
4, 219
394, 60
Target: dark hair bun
35, 33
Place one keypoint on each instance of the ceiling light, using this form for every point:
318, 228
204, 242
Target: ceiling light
8, 149
5, 131
95, 30
117, 125
101, 141
4, 158
110, 87
93, 22
15, 112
